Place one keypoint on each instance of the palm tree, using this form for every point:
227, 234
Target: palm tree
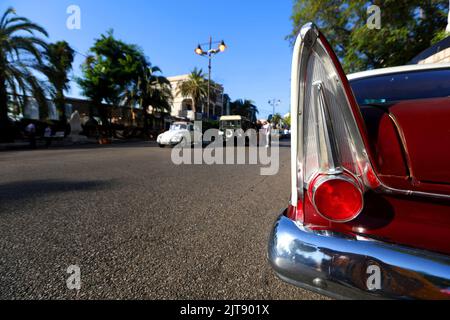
59, 57
227, 104
20, 49
245, 108
276, 119
195, 87
149, 89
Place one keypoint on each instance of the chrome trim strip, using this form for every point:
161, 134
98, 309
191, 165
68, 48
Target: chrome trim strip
325, 137
388, 190
337, 265
306, 39
403, 143
296, 115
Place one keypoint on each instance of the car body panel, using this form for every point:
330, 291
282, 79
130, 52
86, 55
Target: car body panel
169, 138
385, 142
401, 156
408, 140
408, 221
425, 127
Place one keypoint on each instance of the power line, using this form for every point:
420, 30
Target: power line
81, 54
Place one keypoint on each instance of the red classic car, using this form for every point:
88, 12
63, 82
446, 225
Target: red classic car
370, 210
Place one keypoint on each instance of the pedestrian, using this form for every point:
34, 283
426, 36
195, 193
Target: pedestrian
31, 133
258, 125
48, 136
266, 128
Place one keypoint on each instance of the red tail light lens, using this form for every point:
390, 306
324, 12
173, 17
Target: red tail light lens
337, 198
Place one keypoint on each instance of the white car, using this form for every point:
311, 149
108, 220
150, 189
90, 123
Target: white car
180, 133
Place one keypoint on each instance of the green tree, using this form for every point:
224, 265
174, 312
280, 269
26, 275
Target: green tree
108, 71
149, 88
245, 108
287, 120
20, 49
226, 103
276, 118
59, 57
407, 28
195, 87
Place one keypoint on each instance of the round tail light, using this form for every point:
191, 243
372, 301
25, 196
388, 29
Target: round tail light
337, 198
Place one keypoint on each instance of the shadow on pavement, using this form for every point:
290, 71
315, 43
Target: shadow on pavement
114, 145
25, 190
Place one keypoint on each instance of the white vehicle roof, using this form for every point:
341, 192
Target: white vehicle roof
407, 68
230, 118
178, 123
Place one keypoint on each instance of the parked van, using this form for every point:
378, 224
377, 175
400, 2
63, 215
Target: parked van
233, 127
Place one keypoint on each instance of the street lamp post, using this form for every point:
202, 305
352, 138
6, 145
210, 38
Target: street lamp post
274, 103
210, 54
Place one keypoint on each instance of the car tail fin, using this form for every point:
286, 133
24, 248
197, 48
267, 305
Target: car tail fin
330, 158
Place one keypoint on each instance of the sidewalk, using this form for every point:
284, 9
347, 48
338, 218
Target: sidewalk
14, 145
40, 144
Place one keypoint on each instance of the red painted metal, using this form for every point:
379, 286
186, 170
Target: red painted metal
408, 146
384, 142
425, 127
408, 140
408, 221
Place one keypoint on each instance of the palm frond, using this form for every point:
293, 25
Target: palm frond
8, 12
26, 26
20, 52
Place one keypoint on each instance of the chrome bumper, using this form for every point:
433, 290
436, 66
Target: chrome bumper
345, 267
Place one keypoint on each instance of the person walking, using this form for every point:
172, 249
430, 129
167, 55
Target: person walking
266, 128
31, 133
48, 136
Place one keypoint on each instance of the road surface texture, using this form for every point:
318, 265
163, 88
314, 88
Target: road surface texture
138, 226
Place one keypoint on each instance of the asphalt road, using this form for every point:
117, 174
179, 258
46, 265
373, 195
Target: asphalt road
138, 226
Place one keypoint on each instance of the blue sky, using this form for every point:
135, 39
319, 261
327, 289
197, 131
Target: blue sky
256, 65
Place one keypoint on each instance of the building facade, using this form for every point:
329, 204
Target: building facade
440, 57
183, 106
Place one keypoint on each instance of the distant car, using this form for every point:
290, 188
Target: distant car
285, 134
369, 216
180, 133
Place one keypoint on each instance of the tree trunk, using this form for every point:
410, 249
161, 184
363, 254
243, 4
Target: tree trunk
91, 110
145, 117
60, 104
105, 122
6, 131
146, 126
194, 108
3, 102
